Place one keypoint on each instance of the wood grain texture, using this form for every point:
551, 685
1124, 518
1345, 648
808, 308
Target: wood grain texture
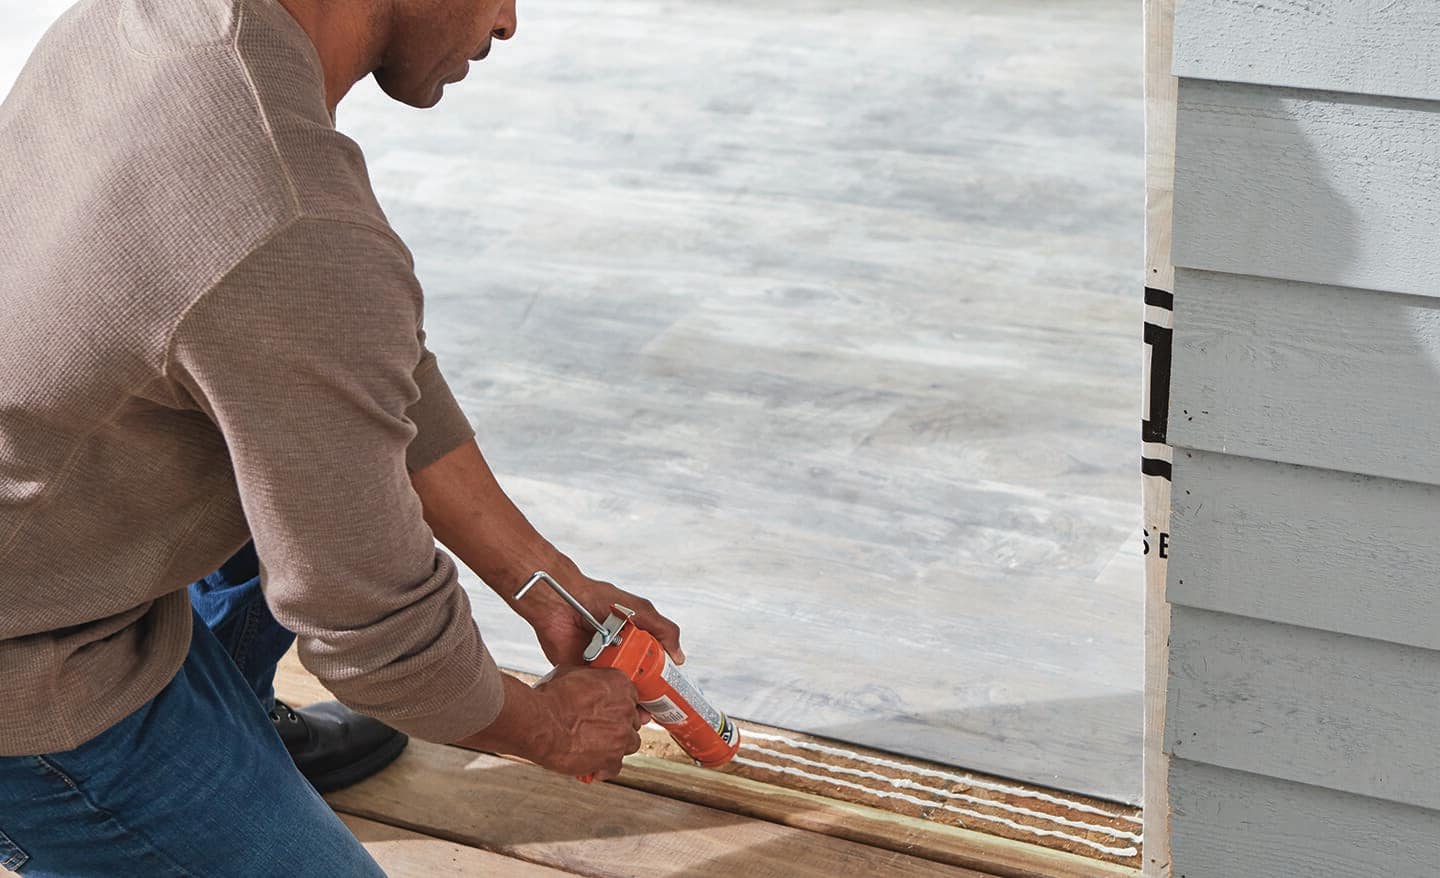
601, 830
1313, 186
1315, 375
1228, 824
1378, 47
1160, 115
870, 826
1327, 550
1161, 95
1160, 109
665, 781
874, 827
1315, 707
405, 854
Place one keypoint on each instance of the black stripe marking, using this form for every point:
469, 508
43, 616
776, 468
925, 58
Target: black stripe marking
1153, 426
1152, 466
1159, 298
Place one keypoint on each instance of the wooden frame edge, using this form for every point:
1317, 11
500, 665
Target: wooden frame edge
1160, 107
993, 855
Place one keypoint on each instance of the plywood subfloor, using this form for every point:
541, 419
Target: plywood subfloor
816, 322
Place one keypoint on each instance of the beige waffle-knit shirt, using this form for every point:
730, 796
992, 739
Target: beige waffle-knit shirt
209, 332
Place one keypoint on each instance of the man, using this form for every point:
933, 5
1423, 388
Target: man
209, 335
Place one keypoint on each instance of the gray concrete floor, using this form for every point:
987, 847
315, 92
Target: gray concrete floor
817, 322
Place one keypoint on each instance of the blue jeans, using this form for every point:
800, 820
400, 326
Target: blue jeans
233, 608
193, 784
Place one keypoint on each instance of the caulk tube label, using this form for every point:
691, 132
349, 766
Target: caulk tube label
692, 696
665, 711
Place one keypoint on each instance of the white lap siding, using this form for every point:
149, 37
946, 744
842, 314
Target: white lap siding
1303, 711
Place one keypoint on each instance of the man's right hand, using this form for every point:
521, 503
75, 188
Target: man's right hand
578, 721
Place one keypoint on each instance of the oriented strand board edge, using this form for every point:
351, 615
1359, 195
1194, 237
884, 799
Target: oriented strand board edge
1161, 98
875, 827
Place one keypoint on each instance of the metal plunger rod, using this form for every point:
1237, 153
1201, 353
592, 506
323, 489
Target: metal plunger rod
579, 608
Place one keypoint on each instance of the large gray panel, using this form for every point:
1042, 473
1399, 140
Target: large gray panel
836, 360
1313, 186
1310, 706
1316, 375
816, 323
1329, 550
1228, 824
1382, 47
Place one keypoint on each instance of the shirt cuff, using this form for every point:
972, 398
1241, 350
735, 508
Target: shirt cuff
440, 423
464, 712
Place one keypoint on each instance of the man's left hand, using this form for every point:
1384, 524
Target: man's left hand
564, 634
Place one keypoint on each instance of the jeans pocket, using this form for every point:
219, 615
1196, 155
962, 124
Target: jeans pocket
12, 857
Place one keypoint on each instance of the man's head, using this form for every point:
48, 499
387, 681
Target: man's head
429, 43
414, 47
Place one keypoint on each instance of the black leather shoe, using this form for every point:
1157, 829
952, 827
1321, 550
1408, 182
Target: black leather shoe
333, 746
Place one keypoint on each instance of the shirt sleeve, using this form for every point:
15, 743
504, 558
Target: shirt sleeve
440, 423
308, 357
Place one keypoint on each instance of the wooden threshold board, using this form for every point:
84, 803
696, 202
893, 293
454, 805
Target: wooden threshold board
909, 805
412, 795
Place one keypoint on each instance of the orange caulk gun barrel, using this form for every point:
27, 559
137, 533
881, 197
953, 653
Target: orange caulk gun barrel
702, 731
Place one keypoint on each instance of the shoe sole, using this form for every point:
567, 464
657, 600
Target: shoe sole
365, 766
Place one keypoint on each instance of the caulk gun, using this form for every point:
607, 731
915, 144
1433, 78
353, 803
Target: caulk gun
706, 734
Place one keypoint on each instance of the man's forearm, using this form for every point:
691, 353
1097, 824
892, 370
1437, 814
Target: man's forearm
474, 518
